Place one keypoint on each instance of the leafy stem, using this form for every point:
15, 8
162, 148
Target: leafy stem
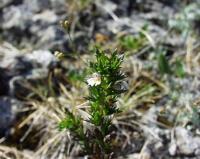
106, 84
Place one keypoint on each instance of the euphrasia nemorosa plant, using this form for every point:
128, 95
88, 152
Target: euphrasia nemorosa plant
106, 83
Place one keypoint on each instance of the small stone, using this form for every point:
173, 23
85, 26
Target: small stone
37, 5
132, 156
197, 152
197, 131
9, 108
3, 3
14, 17
42, 57
48, 38
184, 142
46, 16
58, 6
158, 146
172, 149
146, 154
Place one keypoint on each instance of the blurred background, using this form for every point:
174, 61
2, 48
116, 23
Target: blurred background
160, 41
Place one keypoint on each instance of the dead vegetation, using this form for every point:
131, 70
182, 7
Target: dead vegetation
162, 67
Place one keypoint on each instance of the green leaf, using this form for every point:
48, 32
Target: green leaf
70, 122
195, 118
96, 118
163, 64
179, 70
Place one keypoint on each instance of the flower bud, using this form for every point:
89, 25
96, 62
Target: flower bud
59, 55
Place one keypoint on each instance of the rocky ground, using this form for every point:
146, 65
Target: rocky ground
160, 38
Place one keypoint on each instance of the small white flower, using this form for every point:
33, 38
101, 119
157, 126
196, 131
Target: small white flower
94, 80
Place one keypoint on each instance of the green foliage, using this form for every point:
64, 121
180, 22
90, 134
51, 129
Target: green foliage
75, 125
195, 117
133, 43
80, 4
163, 64
104, 96
84, 3
183, 21
190, 117
179, 69
77, 75
176, 68
105, 86
70, 122
130, 42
